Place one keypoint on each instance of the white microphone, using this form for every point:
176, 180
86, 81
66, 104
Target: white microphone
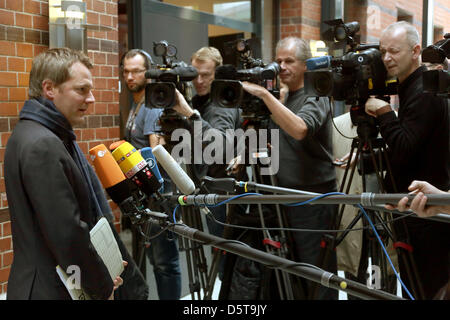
173, 169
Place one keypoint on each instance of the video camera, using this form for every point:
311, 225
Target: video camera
353, 77
437, 81
227, 90
169, 76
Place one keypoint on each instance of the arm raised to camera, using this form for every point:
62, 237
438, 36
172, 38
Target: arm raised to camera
294, 125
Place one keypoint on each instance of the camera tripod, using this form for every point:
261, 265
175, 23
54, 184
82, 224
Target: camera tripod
365, 144
280, 283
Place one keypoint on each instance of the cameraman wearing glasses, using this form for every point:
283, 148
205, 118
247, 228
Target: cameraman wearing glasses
140, 131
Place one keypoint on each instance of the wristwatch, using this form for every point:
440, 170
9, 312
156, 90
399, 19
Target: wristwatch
195, 115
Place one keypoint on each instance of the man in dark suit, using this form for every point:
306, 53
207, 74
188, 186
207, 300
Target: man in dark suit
53, 194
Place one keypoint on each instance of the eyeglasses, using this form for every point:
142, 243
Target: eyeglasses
133, 72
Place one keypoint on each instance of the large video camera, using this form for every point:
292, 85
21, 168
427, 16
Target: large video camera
353, 77
437, 81
169, 76
227, 90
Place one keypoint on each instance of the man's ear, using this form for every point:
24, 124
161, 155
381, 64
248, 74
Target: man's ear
48, 89
416, 51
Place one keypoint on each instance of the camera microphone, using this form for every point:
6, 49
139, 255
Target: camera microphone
318, 63
173, 169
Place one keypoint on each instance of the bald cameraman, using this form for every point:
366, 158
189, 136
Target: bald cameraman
305, 150
418, 149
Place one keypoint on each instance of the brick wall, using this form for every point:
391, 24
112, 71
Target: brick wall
23, 35
302, 18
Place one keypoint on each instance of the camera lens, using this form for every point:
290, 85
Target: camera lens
160, 95
323, 84
228, 95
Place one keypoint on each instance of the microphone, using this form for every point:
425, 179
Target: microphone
119, 189
173, 169
148, 155
318, 63
136, 168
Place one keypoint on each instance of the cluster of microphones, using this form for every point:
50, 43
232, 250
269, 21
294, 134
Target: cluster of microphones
131, 176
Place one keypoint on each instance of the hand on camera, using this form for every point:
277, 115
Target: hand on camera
182, 107
254, 89
374, 106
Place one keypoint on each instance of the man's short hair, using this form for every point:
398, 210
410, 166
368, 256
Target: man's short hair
205, 53
303, 50
412, 35
134, 52
54, 64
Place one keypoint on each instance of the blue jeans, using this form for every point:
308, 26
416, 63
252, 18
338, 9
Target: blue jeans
164, 257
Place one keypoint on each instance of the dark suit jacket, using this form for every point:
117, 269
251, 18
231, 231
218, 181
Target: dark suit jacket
50, 217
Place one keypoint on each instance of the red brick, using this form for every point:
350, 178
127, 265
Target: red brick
101, 133
4, 274
8, 109
24, 50
6, 17
40, 22
14, 5
17, 94
5, 244
24, 20
16, 64
32, 6
7, 48
7, 258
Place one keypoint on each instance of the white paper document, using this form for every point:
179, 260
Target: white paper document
105, 244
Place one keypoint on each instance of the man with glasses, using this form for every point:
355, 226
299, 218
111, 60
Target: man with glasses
140, 131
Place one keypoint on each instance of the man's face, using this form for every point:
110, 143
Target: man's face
134, 73
397, 54
292, 70
73, 97
206, 70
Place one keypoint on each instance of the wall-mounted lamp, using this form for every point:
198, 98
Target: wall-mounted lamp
67, 24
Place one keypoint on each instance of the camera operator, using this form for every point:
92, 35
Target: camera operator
307, 156
140, 132
213, 117
418, 142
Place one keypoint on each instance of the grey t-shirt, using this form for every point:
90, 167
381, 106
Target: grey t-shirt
307, 164
144, 124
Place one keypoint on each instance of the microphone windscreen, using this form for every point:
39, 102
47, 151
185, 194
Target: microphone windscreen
106, 167
173, 169
109, 174
318, 63
136, 168
130, 161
